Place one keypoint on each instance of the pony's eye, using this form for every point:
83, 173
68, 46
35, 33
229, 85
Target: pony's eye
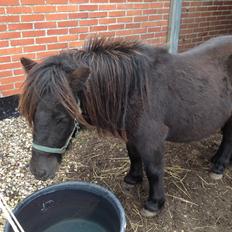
60, 119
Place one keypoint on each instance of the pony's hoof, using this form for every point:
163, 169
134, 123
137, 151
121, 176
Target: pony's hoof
127, 186
215, 176
133, 180
147, 213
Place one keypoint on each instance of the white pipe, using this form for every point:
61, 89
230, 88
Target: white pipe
10, 216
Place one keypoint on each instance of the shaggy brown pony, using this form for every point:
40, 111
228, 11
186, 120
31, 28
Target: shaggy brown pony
134, 91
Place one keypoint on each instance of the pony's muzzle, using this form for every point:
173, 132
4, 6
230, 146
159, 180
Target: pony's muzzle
42, 174
43, 168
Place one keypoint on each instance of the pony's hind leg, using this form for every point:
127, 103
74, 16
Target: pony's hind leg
135, 174
223, 157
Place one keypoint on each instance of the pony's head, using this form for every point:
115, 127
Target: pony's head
52, 110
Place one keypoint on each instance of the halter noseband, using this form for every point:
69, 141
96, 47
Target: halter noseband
57, 150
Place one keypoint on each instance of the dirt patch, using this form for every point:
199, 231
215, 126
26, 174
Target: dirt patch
194, 202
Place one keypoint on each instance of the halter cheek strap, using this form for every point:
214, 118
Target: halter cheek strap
54, 149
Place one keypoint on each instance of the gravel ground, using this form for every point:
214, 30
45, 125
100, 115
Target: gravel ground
194, 201
16, 181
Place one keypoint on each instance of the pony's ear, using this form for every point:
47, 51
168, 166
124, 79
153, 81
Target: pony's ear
28, 64
78, 77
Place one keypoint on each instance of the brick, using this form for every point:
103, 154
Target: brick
6, 80
140, 18
6, 87
32, 2
98, 28
5, 74
18, 85
78, 30
79, 1
18, 72
116, 27
154, 23
88, 22
41, 55
154, 29
76, 44
85, 36
57, 1
45, 25
131, 32
125, 20
160, 34
98, 1
11, 92
21, 42
34, 48
107, 7
147, 36
20, 26
116, 13
9, 35
73, 23
9, 65
19, 10
10, 51
134, 12
33, 33
4, 43
107, 34
44, 9
133, 25
67, 38
116, 1
56, 16
162, 11
69, 8
88, 7
5, 59
97, 14
125, 6
9, 2
155, 17
81, 15
107, 21
6, 19
46, 40
57, 31
150, 11
17, 57
26, 18
2, 10
57, 46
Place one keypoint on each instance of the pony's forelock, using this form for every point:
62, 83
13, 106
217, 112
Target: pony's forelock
47, 81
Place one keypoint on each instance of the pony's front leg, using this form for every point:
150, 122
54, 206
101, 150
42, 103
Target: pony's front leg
149, 142
153, 164
135, 174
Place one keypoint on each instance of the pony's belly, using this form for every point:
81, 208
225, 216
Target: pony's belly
182, 137
196, 130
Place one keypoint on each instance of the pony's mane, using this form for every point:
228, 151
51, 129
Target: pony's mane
118, 68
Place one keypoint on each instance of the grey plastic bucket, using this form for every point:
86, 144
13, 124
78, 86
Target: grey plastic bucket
71, 206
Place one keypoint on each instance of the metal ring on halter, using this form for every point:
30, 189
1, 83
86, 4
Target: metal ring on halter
54, 149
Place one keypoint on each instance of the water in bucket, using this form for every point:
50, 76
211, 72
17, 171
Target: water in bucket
76, 225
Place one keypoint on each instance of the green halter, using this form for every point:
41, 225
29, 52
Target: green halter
57, 150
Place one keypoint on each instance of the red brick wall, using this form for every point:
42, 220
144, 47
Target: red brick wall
34, 29
203, 19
